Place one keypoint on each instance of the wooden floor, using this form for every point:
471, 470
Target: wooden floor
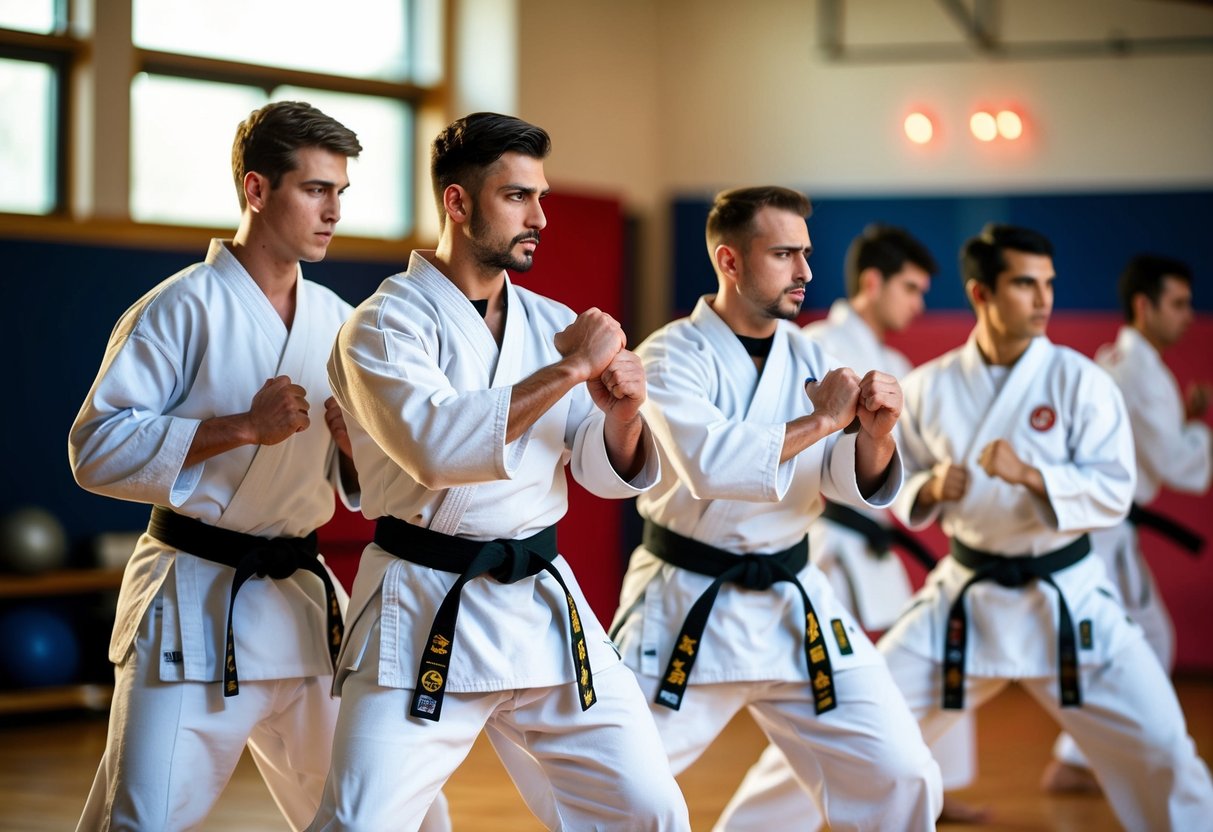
47, 764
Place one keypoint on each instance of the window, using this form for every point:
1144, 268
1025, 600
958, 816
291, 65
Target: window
28, 181
29, 15
195, 77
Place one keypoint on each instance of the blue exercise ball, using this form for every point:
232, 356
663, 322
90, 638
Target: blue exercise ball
39, 647
32, 540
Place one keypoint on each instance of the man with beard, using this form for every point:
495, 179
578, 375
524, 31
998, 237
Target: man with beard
465, 396
1020, 448
721, 608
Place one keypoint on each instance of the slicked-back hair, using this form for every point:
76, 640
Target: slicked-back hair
267, 141
731, 219
465, 149
982, 257
886, 248
1144, 276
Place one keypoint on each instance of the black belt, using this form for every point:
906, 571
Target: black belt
249, 555
756, 571
879, 538
1013, 572
1189, 539
507, 561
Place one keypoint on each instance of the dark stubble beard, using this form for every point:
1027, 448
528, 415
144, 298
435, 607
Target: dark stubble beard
493, 258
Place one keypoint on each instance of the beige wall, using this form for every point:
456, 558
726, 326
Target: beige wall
647, 99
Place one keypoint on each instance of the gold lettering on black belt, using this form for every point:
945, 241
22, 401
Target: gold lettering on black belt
507, 561
757, 572
249, 555
1013, 572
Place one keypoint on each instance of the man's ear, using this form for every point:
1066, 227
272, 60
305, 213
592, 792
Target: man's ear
256, 190
456, 203
727, 260
977, 292
1141, 304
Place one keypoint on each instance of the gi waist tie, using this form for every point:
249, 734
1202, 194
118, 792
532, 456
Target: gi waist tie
1012, 571
507, 561
249, 555
879, 538
1188, 538
755, 571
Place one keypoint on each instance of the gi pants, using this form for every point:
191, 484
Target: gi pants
602, 769
863, 764
1130, 725
172, 746
1120, 549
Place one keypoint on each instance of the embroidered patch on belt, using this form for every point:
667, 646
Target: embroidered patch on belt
840, 636
172, 656
1085, 639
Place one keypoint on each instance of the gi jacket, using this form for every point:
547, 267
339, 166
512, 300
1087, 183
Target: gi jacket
202, 344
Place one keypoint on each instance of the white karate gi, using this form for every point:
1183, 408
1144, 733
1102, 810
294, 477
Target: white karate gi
1063, 415
873, 588
427, 393
720, 425
1171, 452
202, 344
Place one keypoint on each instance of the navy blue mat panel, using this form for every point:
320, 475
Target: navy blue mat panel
1094, 234
60, 304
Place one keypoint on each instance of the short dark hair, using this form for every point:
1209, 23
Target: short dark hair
1144, 276
731, 218
467, 147
982, 259
266, 141
886, 248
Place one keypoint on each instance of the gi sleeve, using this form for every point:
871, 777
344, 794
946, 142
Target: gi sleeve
123, 444
1094, 487
718, 458
384, 371
916, 455
1169, 450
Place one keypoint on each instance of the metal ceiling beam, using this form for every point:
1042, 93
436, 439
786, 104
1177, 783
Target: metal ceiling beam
980, 29
975, 26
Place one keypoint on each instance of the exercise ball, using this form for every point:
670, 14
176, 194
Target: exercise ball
38, 647
31, 540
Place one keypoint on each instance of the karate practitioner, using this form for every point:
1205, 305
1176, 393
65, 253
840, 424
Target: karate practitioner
465, 396
1173, 451
1020, 448
749, 448
212, 404
888, 273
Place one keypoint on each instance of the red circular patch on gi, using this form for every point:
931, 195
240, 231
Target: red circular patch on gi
1043, 418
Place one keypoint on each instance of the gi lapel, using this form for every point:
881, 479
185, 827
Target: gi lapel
1003, 413
298, 356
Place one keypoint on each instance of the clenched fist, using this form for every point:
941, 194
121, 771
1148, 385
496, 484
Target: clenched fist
279, 410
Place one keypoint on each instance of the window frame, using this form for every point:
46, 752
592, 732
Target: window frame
79, 215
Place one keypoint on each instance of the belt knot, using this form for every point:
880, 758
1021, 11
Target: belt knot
1011, 572
511, 560
276, 562
756, 572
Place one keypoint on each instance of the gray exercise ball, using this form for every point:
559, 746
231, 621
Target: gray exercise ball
32, 540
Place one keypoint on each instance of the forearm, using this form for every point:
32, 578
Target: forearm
624, 445
536, 394
220, 434
804, 432
872, 457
